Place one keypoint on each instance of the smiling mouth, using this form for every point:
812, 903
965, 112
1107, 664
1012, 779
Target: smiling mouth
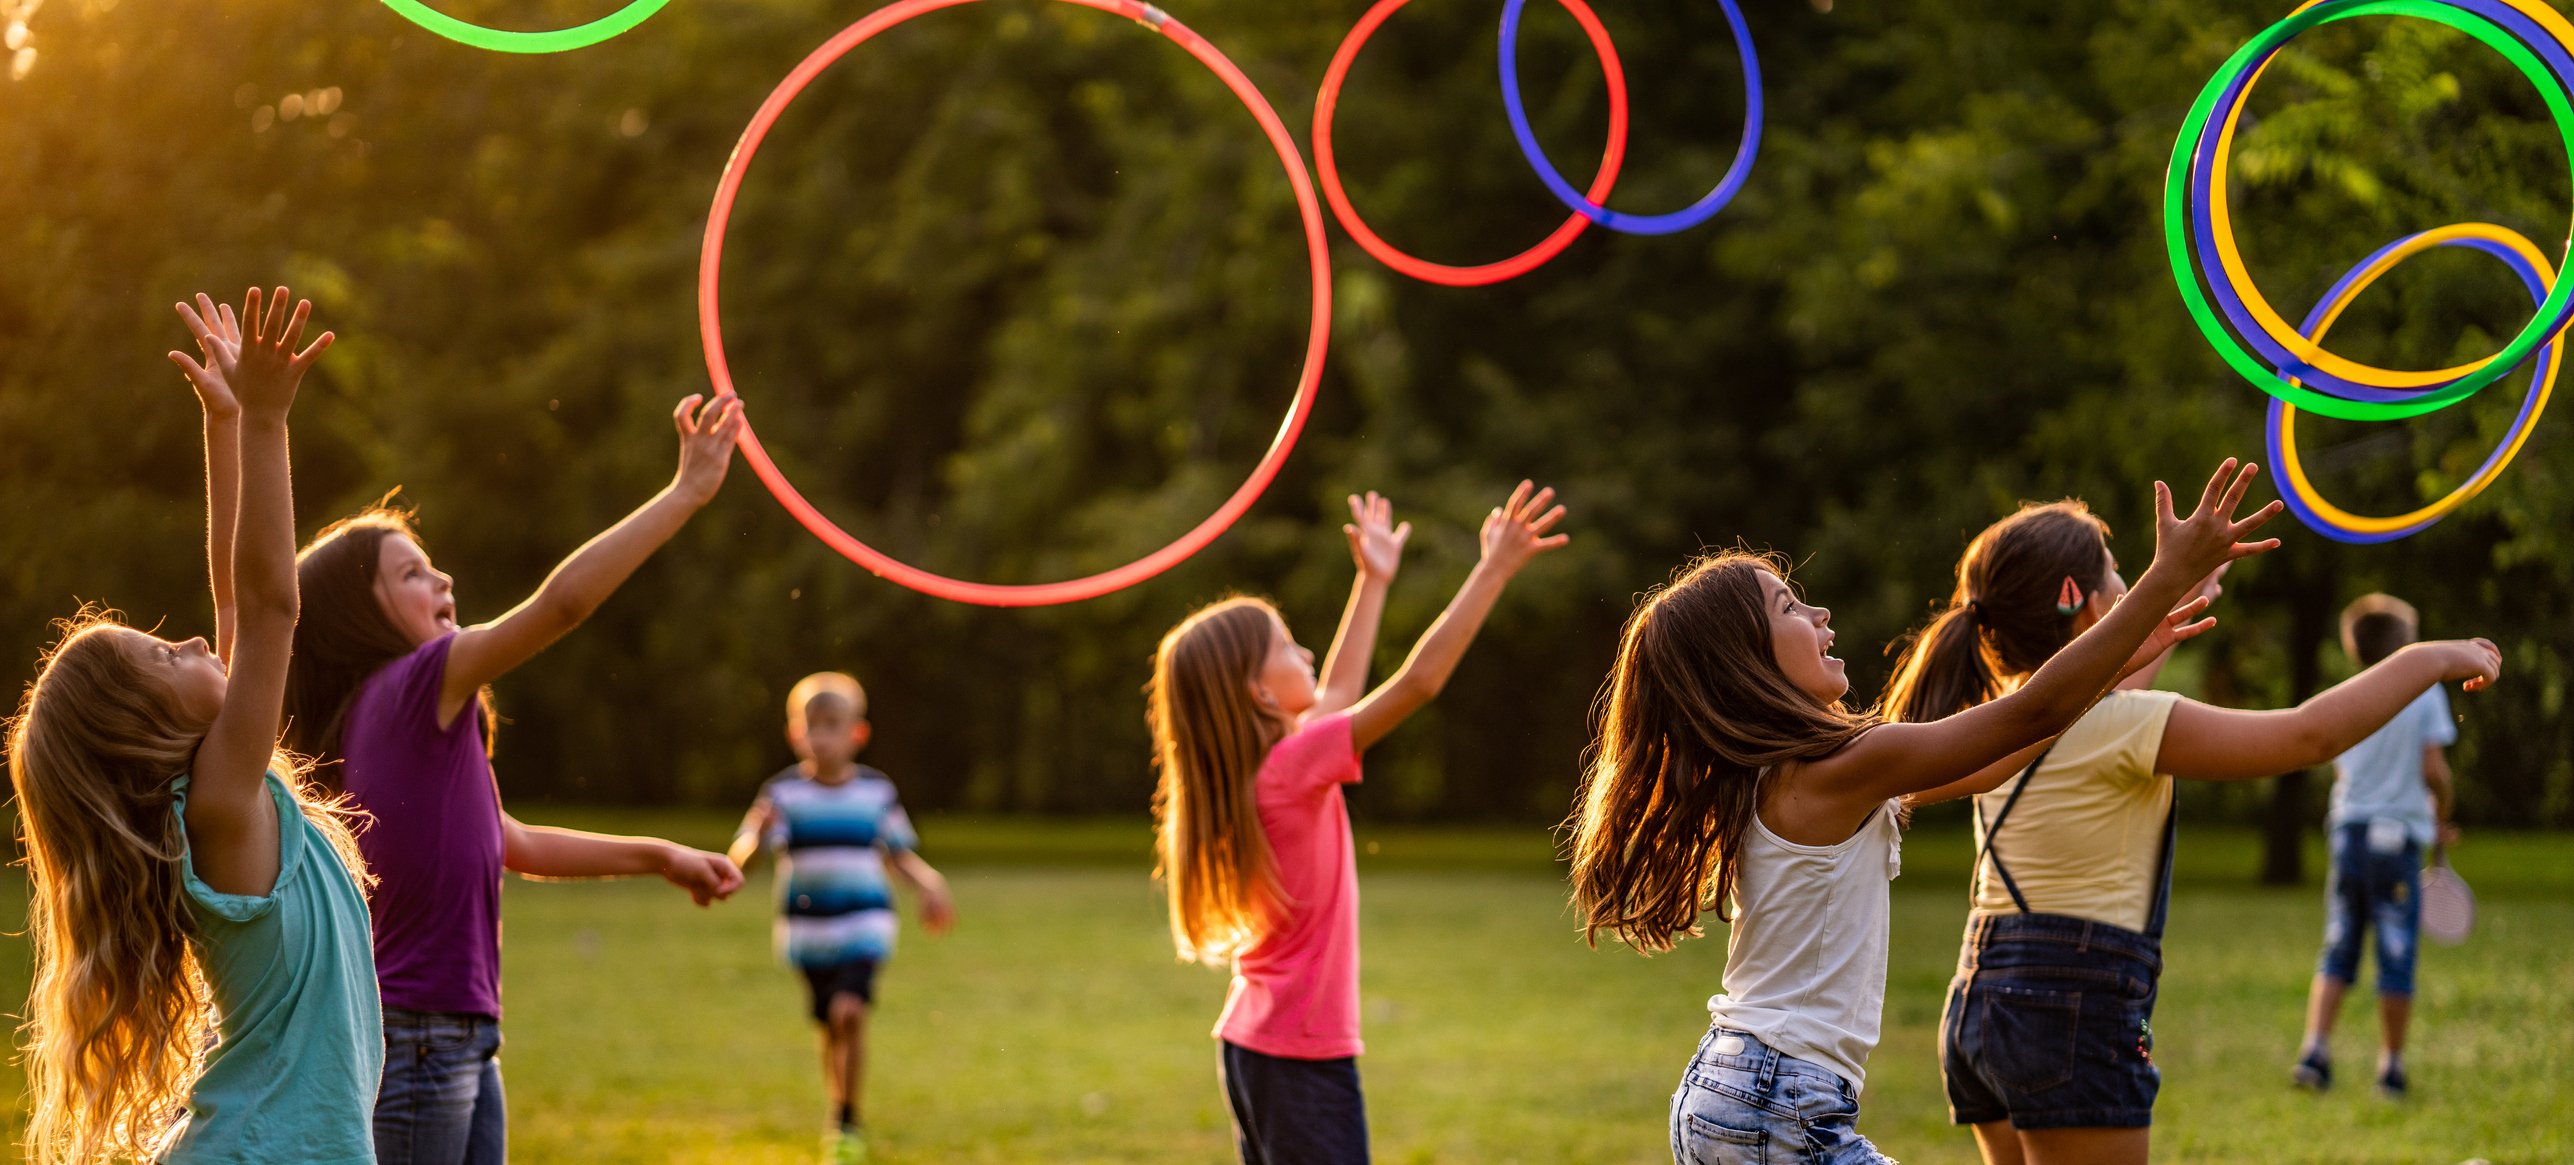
445, 619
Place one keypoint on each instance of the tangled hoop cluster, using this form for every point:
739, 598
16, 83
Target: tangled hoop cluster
2291, 364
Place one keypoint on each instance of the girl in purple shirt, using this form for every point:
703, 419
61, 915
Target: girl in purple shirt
389, 686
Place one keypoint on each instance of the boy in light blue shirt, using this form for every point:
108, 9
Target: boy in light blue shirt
2391, 796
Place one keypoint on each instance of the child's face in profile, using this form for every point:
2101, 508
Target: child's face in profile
187, 670
1801, 642
1285, 682
420, 601
831, 737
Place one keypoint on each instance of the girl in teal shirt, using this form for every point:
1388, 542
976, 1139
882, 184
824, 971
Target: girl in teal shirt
182, 881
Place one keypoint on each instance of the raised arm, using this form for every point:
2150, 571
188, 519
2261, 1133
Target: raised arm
218, 334
1513, 533
1894, 760
545, 851
2202, 743
1376, 543
583, 581
231, 821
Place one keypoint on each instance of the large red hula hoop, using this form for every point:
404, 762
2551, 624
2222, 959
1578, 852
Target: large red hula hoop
710, 264
1328, 100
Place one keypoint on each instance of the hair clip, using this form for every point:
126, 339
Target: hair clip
2069, 600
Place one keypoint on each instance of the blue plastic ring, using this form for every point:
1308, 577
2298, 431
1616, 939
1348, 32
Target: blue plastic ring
1636, 224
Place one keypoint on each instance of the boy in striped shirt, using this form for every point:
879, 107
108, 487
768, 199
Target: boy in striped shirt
837, 830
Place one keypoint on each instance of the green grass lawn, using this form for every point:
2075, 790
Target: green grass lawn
1053, 1025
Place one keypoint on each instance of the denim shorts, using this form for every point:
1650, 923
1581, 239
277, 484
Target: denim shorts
2049, 1024
440, 1102
2372, 888
1744, 1103
1293, 1112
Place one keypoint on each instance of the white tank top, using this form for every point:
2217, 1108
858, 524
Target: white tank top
1805, 963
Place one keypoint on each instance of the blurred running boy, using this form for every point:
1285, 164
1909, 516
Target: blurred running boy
836, 827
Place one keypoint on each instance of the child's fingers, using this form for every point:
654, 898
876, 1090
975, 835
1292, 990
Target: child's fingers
2259, 518
1402, 533
321, 343
1538, 504
196, 373
2215, 487
2162, 502
1546, 521
2248, 549
1518, 495
1552, 543
2234, 492
687, 409
197, 326
294, 333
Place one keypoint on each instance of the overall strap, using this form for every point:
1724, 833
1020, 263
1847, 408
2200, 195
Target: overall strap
1995, 826
2163, 879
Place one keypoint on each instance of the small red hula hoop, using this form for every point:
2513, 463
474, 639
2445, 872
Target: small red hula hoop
710, 264
1329, 99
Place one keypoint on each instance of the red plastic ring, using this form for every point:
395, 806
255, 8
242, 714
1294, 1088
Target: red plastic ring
1517, 265
710, 265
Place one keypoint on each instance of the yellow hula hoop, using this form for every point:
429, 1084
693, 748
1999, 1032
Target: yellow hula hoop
2311, 349
2295, 469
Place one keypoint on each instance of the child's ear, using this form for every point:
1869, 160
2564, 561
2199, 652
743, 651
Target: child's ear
795, 737
859, 734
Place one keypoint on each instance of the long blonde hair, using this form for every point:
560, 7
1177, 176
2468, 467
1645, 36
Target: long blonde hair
118, 1017
1209, 737
1694, 718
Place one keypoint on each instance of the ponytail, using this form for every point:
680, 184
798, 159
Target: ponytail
1943, 671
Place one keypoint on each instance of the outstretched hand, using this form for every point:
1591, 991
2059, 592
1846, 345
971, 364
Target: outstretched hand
1376, 542
708, 877
1515, 531
2182, 625
706, 439
2196, 546
218, 334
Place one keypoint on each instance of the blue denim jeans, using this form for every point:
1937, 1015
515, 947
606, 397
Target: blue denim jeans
1744, 1103
440, 1103
2050, 1024
1294, 1112
2372, 888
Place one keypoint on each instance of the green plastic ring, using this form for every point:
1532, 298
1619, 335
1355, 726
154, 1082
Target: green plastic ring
2177, 218
579, 36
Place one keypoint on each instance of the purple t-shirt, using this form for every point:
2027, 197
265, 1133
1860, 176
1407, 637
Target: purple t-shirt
435, 843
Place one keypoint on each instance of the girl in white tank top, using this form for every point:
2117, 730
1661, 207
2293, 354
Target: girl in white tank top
1728, 771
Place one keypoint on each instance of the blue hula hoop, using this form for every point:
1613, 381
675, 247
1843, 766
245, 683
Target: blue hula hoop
1636, 224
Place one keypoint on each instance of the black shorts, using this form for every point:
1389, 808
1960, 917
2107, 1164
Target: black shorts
855, 977
2049, 1024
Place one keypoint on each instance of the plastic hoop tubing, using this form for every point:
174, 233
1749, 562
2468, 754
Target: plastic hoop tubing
1328, 100
2179, 221
2300, 493
2241, 298
710, 266
497, 40
1636, 224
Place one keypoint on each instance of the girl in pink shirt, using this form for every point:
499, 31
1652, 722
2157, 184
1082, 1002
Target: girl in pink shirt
1254, 838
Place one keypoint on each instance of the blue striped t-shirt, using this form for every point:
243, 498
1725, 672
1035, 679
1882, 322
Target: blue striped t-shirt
834, 905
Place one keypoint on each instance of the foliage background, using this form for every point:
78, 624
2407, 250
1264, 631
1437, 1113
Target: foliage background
1016, 292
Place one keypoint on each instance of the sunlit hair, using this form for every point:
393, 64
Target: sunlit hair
343, 633
2375, 625
824, 690
1695, 717
117, 1019
2005, 618
1209, 737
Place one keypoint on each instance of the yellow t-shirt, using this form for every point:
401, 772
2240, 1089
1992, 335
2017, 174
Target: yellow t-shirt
2086, 840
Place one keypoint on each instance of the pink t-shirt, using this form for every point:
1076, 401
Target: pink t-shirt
1295, 992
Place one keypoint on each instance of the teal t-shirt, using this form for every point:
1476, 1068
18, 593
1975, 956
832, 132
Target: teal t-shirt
299, 1035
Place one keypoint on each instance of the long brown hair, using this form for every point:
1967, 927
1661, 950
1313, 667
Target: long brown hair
1694, 718
343, 635
117, 1018
1209, 737
2009, 613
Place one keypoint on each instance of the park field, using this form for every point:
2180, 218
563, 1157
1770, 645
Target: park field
1053, 1025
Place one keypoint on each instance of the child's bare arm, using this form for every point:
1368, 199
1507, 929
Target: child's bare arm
747, 837
545, 851
1376, 543
218, 335
1514, 533
1893, 760
231, 820
2204, 743
938, 908
583, 581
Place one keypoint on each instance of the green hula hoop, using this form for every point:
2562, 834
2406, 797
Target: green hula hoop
2177, 218
579, 36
